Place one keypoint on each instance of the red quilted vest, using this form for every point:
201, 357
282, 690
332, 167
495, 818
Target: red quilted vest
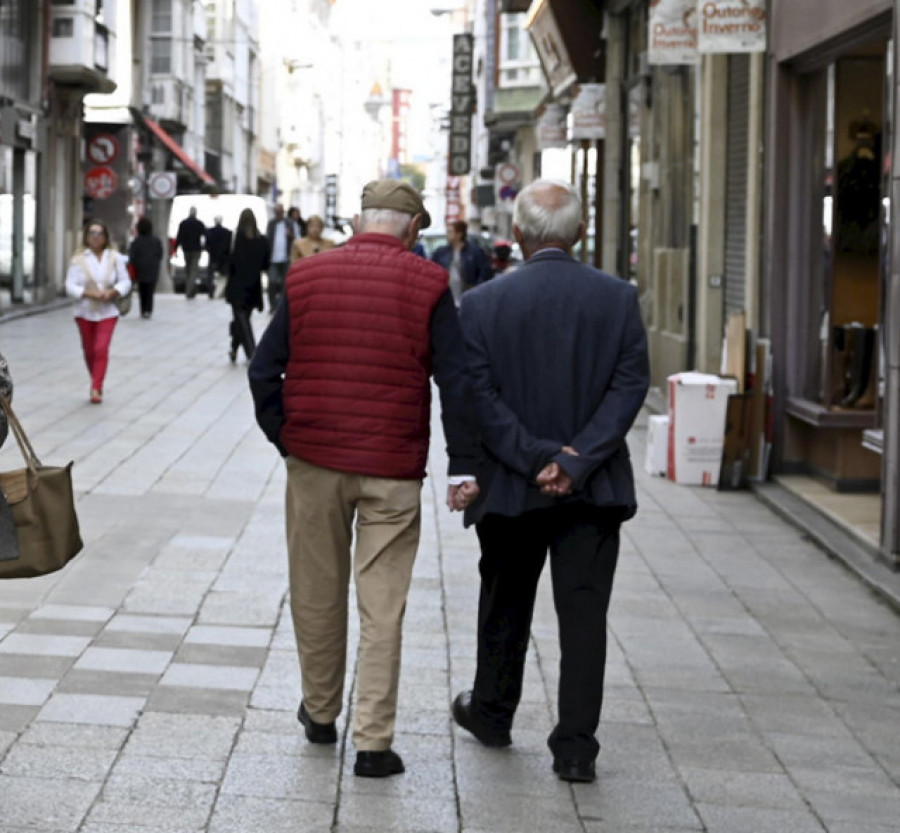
357, 392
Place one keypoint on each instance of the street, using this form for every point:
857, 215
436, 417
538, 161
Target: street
753, 684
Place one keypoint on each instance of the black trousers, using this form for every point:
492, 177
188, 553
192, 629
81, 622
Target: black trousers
583, 541
145, 296
242, 331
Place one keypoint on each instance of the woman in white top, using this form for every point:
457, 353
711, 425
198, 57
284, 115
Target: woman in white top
96, 277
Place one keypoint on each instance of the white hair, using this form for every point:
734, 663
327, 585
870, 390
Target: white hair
391, 221
548, 211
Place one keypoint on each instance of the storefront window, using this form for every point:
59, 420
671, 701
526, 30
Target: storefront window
854, 246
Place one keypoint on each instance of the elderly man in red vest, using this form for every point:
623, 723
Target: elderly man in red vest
341, 385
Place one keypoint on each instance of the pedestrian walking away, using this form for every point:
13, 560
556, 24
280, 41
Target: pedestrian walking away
464, 259
281, 231
218, 249
96, 278
145, 255
341, 387
249, 260
557, 354
313, 242
191, 232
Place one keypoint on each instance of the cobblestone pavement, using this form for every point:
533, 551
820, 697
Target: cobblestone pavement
151, 686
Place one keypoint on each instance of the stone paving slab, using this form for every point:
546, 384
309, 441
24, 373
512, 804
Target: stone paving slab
753, 684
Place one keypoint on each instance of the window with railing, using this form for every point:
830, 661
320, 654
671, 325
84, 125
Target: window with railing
101, 48
519, 64
161, 37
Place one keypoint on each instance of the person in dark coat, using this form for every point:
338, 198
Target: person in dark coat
557, 356
144, 259
249, 259
218, 247
464, 259
190, 237
281, 232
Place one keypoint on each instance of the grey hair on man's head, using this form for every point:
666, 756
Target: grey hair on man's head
548, 211
387, 219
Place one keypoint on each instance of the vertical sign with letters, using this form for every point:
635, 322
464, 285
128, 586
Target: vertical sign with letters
461, 105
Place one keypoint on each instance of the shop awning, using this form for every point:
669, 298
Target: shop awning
161, 134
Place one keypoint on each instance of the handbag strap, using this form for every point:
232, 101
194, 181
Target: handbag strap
31, 459
109, 275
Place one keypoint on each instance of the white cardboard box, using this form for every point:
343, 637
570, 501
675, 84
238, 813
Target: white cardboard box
697, 407
657, 460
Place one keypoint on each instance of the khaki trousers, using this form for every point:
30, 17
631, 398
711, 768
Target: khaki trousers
320, 508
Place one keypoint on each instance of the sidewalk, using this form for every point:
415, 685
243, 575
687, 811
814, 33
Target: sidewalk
151, 686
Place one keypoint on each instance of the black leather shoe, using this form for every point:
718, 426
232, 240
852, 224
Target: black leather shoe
316, 732
462, 714
378, 764
581, 772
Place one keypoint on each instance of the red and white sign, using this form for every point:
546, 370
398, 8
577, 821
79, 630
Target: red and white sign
162, 185
101, 182
103, 149
453, 210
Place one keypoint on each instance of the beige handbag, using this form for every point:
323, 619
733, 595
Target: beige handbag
42, 505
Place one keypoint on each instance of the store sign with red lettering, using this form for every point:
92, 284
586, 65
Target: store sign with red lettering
101, 182
673, 32
729, 26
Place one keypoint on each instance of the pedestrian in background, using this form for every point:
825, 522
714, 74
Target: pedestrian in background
313, 242
96, 277
191, 232
218, 249
341, 383
6, 391
281, 233
145, 256
464, 259
299, 222
249, 259
501, 258
557, 355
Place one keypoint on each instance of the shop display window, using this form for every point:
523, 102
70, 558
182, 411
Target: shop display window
848, 376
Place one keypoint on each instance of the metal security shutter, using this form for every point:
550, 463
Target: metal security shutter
736, 182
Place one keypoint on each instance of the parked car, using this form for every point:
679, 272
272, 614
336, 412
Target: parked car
209, 206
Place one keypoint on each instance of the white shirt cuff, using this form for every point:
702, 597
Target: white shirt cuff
459, 479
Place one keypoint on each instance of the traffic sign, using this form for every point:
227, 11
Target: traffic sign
162, 185
508, 174
103, 149
101, 182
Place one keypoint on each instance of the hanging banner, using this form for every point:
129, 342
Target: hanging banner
462, 104
728, 26
551, 127
589, 113
673, 32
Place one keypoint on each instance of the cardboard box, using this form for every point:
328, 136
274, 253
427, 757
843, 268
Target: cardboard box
697, 406
656, 461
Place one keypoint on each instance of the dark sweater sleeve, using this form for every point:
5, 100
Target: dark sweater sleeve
448, 361
266, 375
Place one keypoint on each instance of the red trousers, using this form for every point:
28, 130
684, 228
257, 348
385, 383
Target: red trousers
95, 340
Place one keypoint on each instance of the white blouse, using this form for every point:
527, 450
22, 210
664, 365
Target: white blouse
106, 272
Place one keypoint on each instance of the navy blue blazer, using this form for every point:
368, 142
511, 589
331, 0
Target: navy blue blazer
557, 355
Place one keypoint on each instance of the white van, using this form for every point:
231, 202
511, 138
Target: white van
209, 206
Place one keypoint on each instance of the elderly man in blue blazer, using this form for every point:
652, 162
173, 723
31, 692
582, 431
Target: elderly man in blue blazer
558, 361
